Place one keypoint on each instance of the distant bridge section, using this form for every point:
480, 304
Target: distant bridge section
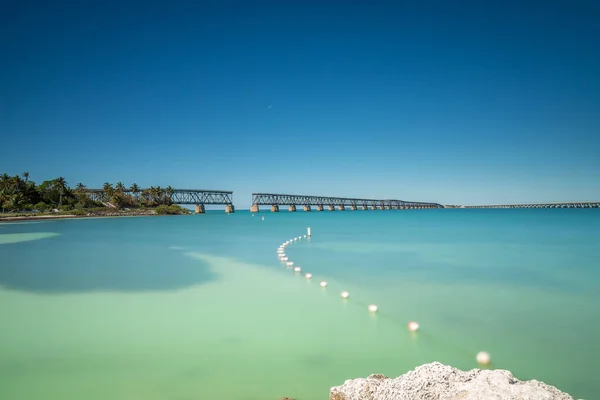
199, 197
585, 204
341, 203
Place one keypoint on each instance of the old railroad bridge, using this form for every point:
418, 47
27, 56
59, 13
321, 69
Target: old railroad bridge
200, 198
341, 203
178, 196
583, 204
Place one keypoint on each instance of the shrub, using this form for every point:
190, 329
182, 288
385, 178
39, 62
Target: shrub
173, 209
41, 206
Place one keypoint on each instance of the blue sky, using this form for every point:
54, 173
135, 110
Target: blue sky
464, 102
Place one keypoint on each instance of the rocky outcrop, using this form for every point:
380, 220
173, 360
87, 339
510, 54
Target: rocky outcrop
437, 381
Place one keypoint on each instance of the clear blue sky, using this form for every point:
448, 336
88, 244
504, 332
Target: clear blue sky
465, 102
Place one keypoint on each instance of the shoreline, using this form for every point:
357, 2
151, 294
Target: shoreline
72, 216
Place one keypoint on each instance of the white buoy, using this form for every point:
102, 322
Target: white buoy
297, 269
323, 284
305, 236
308, 276
295, 239
263, 218
290, 263
308, 232
253, 215
483, 357
284, 258
413, 326
345, 295
373, 308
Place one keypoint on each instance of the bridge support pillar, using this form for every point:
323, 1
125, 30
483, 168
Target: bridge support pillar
292, 208
254, 208
381, 207
274, 208
341, 207
364, 207
331, 207
306, 208
320, 207
354, 208
229, 208
373, 207
200, 209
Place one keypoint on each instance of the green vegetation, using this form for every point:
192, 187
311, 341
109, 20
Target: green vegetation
173, 209
21, 196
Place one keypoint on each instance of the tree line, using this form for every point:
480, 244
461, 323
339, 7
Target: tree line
19, 193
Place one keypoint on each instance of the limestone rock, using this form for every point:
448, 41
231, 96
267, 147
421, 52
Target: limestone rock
436, 381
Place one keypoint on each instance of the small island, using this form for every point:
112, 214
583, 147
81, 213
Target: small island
22, 198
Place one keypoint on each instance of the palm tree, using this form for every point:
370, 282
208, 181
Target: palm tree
61, 185
108, 191
26, 176
16, 201
146, 196
133, 198
80, 186
169, 190
4, 180
120, 187
156, 193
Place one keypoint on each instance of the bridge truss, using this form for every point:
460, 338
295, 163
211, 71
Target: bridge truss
585, 204
272, 199
177, 196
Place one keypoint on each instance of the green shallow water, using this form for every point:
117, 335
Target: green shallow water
200, 307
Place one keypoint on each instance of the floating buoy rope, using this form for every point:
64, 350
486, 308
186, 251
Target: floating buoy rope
482, 358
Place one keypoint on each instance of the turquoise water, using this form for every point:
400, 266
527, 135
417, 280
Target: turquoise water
189, 307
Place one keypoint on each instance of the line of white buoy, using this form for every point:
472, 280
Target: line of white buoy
483, 357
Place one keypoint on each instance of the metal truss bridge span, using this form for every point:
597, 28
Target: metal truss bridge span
584, 204
275, 200
199, 197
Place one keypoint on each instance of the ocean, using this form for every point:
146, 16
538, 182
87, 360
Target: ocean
200, 307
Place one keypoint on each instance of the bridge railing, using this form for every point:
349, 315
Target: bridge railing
586, 204
176, 196
278, 199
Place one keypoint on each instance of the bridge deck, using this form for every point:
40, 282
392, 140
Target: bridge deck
583, 204
177, 196
272, 199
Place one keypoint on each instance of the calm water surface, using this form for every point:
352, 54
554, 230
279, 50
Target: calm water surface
199, 307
